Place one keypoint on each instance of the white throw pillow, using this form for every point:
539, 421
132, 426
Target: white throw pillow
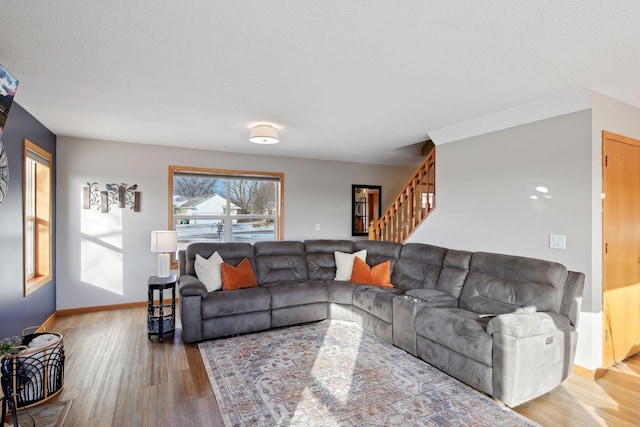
344, 263
208, 271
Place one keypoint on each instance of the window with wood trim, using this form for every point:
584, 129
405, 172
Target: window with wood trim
213, 205
38, 194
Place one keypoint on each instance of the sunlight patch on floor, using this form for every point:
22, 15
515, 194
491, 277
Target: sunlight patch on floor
333, 374
595, 413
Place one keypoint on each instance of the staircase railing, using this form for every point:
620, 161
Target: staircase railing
414, 203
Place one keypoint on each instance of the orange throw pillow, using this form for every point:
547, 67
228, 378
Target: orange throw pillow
378, 275
237, 277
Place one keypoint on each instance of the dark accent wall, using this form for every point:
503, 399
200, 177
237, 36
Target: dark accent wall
17, 311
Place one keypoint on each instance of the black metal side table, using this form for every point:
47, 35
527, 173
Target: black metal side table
161, 317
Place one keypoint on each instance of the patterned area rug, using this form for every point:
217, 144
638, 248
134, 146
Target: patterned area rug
45, 415
334, 373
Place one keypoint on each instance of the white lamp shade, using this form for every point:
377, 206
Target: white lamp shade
164, 241
264, 134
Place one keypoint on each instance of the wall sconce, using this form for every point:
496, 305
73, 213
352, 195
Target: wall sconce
115, 194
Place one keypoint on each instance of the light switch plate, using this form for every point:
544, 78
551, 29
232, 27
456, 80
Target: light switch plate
557, 241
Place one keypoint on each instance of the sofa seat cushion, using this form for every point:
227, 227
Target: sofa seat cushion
298, 293
376, 300
442, 299
341, 292
459, 330
227, 303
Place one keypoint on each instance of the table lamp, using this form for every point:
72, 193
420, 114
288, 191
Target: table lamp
164, 242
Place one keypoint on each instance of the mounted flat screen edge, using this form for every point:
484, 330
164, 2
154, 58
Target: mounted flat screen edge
366, 206
8, 86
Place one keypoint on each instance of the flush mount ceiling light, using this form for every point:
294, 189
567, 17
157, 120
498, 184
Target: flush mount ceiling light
264, 134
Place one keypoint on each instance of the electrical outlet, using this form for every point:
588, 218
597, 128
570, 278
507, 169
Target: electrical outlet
317, 227
557, 241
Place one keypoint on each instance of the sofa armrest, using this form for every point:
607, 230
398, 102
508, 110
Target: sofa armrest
434, 298
572, 299
520, 325
192, 286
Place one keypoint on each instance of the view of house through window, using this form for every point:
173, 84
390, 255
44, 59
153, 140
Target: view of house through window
222, 206
37, 216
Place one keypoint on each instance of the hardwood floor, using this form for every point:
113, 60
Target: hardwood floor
611, 400
117, 377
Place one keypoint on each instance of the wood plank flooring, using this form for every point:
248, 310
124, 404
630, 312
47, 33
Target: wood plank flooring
117, 377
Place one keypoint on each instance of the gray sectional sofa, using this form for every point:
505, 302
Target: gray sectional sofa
505, 325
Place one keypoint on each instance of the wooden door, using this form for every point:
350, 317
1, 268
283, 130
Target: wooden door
621, 251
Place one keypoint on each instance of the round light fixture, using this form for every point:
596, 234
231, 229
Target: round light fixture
264, 134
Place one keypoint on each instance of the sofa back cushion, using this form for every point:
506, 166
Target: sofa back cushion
321, 262
499, 284
379, 252
232, 253
418, 267
280, 262
455, 268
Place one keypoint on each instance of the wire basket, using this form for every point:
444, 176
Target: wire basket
36, 372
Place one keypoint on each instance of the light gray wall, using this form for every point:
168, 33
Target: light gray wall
104, 259
484, 189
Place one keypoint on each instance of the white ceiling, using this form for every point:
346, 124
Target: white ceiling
353, 80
